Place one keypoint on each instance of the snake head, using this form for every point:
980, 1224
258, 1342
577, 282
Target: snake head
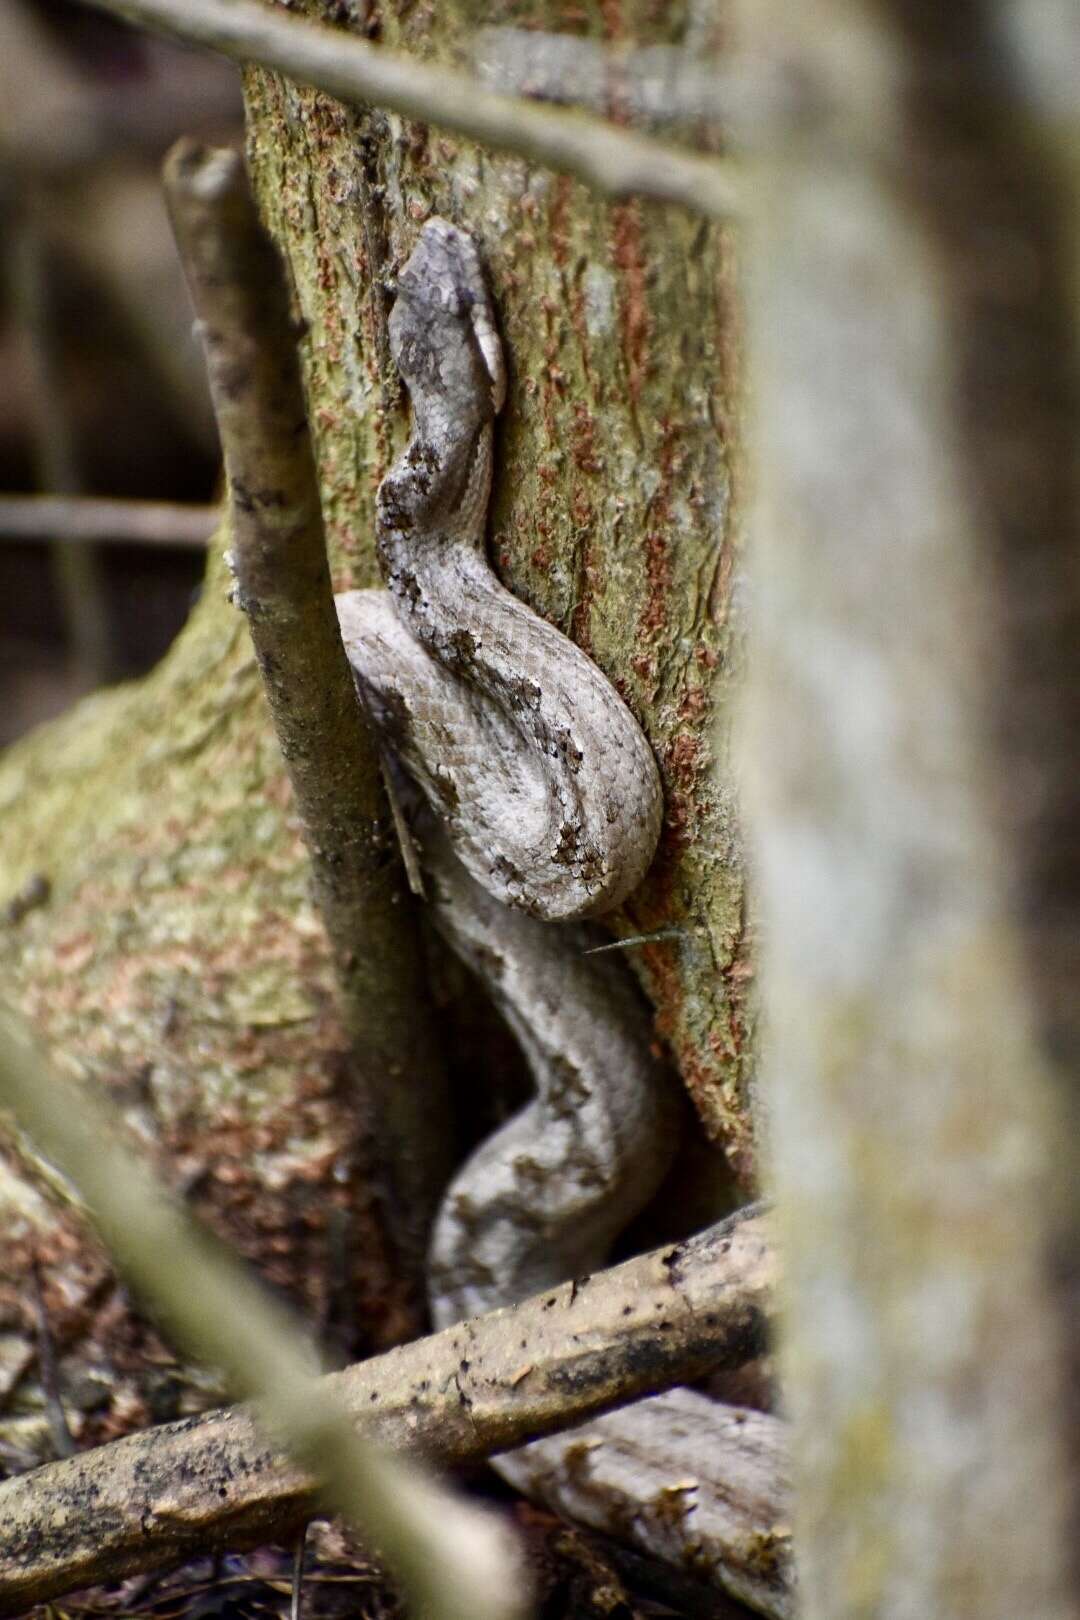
443, 322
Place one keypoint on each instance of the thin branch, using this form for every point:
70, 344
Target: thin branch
481, 1387
63, 1442
453, 1561
296, 1591
97, 520
631, 941
611, 160
77, 575
332, 754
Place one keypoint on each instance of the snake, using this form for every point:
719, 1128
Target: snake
536, 804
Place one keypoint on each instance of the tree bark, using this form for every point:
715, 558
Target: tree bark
177, 958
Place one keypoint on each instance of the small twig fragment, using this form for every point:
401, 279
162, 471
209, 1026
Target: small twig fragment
629, 941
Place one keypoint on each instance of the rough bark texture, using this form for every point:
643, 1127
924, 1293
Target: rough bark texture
913, 342
724, 1516
177, 959
611, 511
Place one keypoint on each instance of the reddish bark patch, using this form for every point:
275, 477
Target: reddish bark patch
583, 443
627, 250
655, 614
552, 377
658, 578
661, 963
737, 976
558, 214
693, 703
576, 301
683, 758
541, 556
611, 13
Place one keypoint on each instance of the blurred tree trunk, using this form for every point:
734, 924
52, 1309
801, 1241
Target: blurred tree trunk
913, 338
176, 960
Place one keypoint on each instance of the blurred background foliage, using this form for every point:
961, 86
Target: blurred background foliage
102, 387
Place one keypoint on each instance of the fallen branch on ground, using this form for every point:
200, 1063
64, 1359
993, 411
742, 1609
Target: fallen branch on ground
481, 1387
727, 1498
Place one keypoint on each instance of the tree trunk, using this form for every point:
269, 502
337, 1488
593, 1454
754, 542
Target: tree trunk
913, 337
177, 959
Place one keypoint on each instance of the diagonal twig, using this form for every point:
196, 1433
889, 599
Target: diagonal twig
453, 1561
610, 159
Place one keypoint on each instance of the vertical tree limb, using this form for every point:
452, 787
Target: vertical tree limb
283, 586
77, 573
912, 349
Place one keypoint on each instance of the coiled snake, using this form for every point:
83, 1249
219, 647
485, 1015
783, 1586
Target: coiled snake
542, 805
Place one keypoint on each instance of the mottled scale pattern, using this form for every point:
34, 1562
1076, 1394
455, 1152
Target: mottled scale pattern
544, 1198
540, 773
542, 804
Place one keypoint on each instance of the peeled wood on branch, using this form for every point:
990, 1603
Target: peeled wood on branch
727, 1497
610, 159
481, 1387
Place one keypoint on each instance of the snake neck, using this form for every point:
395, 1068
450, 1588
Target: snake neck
434, 498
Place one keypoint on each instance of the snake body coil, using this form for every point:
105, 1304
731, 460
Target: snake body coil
540, 774
544, 805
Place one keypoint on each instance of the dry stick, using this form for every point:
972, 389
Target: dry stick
611, 160
283, 585
454, 1561
478, 1388
95, 520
